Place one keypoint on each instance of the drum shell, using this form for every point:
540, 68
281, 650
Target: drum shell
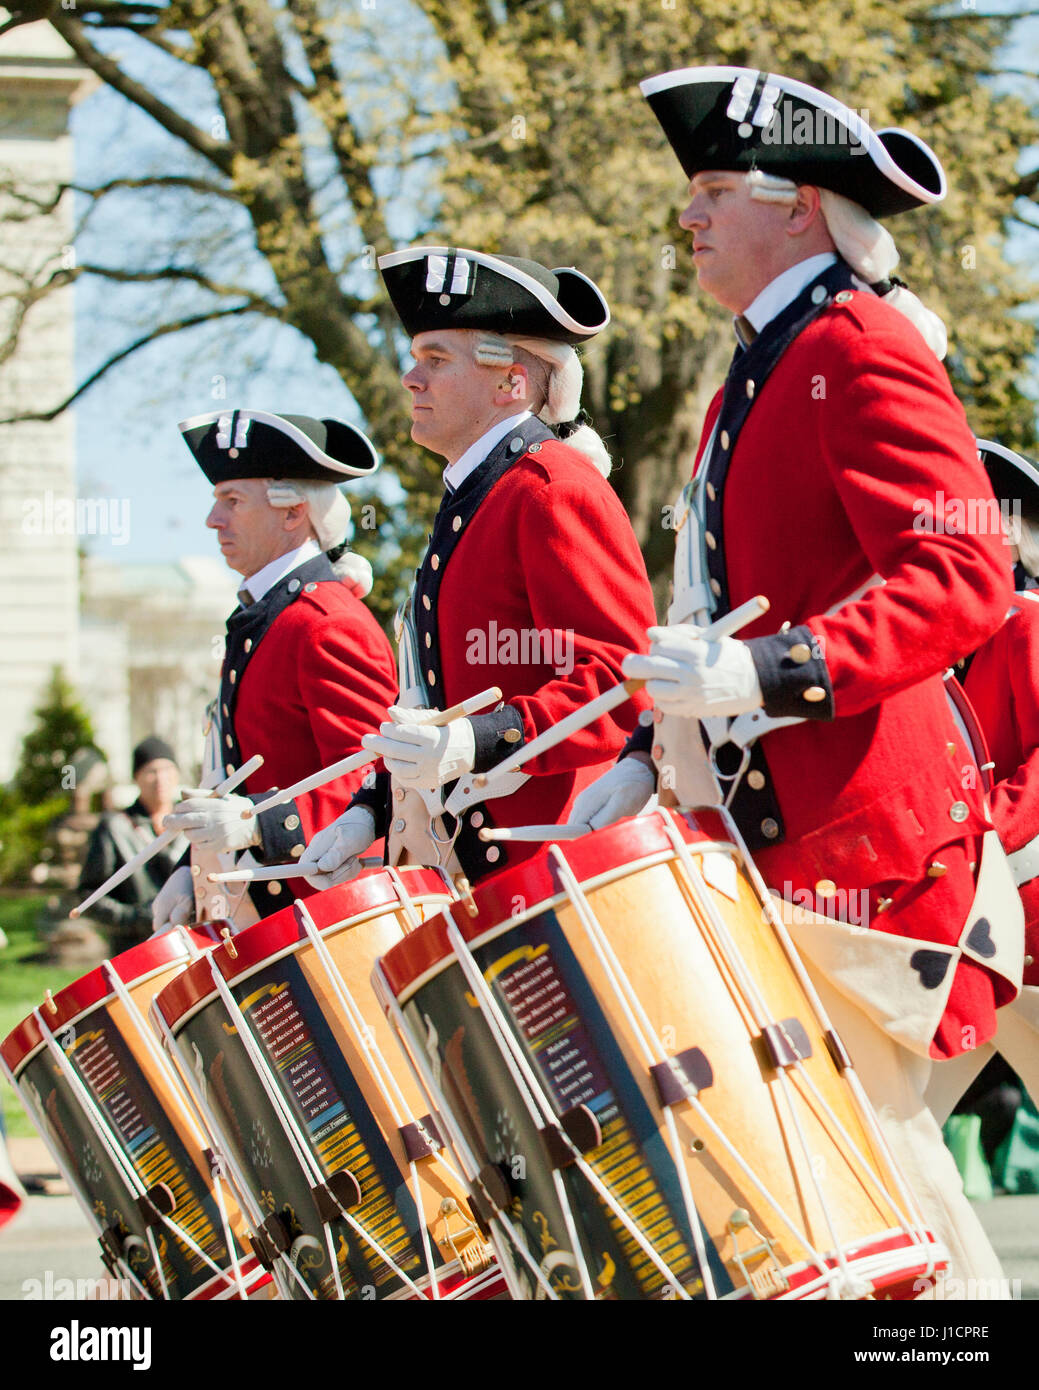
322, 1073
551, 984
145, 1112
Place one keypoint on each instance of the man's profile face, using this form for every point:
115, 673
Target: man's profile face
452, 395
251, 532
739, 244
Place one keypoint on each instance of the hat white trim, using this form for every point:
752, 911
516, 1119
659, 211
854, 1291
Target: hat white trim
293, 432
510, 272
989, 446
686, 77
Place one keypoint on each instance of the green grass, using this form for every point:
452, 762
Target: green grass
24, 975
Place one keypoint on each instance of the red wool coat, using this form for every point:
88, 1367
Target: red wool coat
321, 677
549, 549
1003, 685
834, 477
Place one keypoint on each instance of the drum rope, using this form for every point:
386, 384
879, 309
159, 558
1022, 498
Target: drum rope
224, 1150
66, 1172
867, 1114
404, 897
427, 1083
108, 1142
646, 1037
165, 1067
535, 1098
307, 1162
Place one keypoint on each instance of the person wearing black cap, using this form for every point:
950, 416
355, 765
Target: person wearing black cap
126, 912
831, 739
533, 580
307, 670
1001, 680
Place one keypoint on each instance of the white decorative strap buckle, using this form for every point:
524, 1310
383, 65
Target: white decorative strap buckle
742, 92
770, 94
223, 432
436, 275
241, 434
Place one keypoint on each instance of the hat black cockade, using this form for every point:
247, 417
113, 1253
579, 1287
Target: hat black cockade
230, 444
435, 287
1014, 478
738, 119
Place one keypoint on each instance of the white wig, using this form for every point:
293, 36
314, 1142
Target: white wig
563, 398
866, 246
329, 514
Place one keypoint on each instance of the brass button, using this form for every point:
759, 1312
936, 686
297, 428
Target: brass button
825, 888
297, 850
294, 585
229, 740
814, 693
658, 750
445, 300
769, 828
426, 603
709, 537
513, 735
232, 676
843, 297
274, 887
818, 294
883, 904
292, 822
431, 676
230, 768
535, 448
800, 652
248, 644
516, 444
434, 561
755, 779
476, 819
456, 525
196, 869
493, 854
937, 869
716, 588
725, 439
959, 811
429, 639
712, 491
1029, 960
227, 712
309, 588
950, 748
750, 390
398, 793
398, 826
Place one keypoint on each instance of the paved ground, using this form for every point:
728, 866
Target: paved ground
51, 1234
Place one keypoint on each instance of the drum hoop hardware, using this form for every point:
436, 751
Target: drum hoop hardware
421, 1138
66, 1173
756, 1280
226, 936
907, 1210
288, 1122
696, 1072
576, 1129
162, 1061
465, 895
338, 1194
418, 1065
534, 1096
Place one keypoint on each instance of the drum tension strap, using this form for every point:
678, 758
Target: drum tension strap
112, 1243
156, 1203
836, 1049
421, 1139
339, 1194
787, 1042
693, 1065
490, 1195
271, 1240
580, 1126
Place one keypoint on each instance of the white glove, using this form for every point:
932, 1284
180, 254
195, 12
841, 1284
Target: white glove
215, 822
623, 791
419, 755
689, 675
334, 854
174, 904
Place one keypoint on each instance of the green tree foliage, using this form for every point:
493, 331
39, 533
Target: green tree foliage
320, 135
62, 729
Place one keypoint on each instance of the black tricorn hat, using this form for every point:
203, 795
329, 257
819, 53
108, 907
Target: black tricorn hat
738, 119
230, 444
1013, 477
450, 287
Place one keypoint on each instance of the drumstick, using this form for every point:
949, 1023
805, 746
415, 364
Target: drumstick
165, 837
261, 873
535, 832
595, 709
491, 696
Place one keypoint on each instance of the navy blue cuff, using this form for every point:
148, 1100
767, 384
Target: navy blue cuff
497, 735
280, 831
640, 740
793, 674
374, 792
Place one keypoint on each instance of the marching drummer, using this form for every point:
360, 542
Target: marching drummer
533, 581
1002, 681
820, 481
307, 670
